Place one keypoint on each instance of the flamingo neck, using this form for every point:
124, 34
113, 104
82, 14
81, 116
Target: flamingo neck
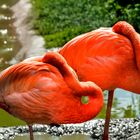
128, 31
83, 112
66, 71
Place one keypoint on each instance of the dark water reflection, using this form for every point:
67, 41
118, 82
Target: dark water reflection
49, 137
9, 45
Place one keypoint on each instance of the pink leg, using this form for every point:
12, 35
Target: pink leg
31, 132
108, 115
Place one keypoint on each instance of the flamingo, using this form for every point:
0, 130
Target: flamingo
109, 57
45, 90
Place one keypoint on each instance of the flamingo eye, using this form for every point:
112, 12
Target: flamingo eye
84, 99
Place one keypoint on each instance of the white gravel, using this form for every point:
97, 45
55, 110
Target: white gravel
120, 129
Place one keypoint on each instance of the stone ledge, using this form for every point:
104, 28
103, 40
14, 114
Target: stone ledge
120, 129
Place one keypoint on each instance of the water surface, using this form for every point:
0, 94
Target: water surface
49, 137
125, 105
9, 46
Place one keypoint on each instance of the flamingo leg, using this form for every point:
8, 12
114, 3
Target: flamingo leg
31, 132
108, 115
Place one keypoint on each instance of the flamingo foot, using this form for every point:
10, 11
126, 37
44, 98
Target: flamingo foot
108, 115
31, 132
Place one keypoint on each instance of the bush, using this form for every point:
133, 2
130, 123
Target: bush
60, 21
129, 11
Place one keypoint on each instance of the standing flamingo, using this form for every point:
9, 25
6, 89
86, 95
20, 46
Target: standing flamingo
45, 90
110, 57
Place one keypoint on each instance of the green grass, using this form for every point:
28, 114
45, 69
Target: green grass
8, 120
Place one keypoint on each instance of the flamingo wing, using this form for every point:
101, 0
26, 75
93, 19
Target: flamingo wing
25, 86
100, 56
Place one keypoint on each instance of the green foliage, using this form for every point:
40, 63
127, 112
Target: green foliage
59, 38
128, 11
60, 20
8, 120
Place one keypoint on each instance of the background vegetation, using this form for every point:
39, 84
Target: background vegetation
61, 20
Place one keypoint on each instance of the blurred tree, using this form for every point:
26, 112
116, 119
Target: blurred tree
124, 3
125, 10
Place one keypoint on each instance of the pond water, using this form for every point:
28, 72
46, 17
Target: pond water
125, 104
9, 44
49, 137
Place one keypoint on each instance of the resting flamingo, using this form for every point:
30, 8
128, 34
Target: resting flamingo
110, 57
45, 90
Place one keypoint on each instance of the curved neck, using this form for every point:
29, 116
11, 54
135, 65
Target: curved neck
128, 31
66, 71
79, 89
70, 77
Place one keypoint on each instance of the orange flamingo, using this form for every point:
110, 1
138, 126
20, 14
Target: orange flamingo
110, 57
45, 90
